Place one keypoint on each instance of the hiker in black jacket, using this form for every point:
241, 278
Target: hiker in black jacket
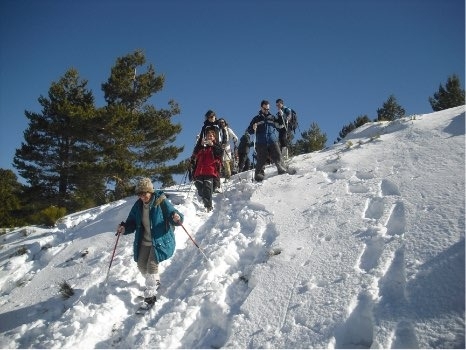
245, 143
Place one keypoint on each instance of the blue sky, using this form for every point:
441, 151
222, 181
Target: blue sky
330, 60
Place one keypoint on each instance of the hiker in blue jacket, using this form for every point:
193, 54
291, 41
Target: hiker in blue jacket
265, 126
152, 217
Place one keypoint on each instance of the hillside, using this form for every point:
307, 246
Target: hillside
362, 248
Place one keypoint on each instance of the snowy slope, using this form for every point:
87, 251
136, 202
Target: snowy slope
363, 247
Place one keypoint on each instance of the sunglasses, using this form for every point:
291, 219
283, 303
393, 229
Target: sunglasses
141, 194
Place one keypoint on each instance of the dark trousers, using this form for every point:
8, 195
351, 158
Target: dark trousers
283, 137
243, 162
265, 151
204, 186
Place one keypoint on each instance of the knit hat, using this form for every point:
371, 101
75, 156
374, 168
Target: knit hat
145, 185
209, 113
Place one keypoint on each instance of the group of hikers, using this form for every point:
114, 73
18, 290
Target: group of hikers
212, 156
153, 217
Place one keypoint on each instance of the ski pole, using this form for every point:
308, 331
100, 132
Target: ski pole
194, 242
113, 254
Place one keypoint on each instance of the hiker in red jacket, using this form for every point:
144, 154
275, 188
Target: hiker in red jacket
208, 160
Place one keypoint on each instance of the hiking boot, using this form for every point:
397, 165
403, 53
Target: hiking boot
147, 304
280, 168
151, 300
259, 177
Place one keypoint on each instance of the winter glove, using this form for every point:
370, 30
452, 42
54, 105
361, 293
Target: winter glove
120, 229
208, 142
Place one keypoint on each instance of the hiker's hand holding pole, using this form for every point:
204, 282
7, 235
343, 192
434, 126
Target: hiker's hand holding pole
176, 218
120, 230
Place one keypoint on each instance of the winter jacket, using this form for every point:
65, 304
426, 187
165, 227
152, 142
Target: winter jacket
285, 116
161, 226
221, 137
267, 126
230, 135
208, 160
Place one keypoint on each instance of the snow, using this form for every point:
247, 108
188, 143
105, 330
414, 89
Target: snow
362, 248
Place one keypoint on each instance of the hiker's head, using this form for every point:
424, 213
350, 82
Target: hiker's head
210, 115
279, 103
265, 105
211, 135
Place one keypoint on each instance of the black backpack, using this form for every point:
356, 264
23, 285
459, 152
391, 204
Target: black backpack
293, 123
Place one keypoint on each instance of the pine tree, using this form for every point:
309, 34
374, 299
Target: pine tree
449, 96
345, 131
57, 143
159, 134
136, 139
10, 192
311, 140
390, 110
360, 120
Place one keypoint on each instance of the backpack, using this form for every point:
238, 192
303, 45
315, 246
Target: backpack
293, 123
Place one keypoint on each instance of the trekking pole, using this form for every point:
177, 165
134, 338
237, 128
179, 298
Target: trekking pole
254, 158
111, 260
189, 189
285, 123
194, 242
183, 181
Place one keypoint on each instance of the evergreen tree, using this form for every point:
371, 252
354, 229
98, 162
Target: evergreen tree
10, 192
159, 135
136, 139
345, 131
450, 96
57, 143
390, 110
360, 120
311, 140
